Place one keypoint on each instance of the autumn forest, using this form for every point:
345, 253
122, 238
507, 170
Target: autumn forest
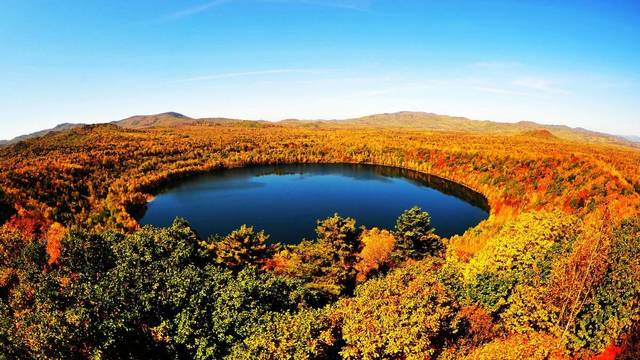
553, 273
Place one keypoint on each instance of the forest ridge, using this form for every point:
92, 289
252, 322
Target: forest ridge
403, 120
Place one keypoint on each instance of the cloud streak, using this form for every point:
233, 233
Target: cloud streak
360, 5
497, 65
538, 84
230, 75
195, 9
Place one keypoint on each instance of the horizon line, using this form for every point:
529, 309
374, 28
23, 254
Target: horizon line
624, 137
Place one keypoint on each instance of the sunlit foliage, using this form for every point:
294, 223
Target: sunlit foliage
327, 264
240, 248
537, 346
309, 334
407, 314
552, 273
606, 297
377, 247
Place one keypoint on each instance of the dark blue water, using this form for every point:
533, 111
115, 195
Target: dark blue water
286, 200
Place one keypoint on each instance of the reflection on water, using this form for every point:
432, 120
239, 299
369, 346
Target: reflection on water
286, 200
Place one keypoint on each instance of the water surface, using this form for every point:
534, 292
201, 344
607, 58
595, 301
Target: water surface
286, 200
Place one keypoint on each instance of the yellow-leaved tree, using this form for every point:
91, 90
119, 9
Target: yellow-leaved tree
377, 246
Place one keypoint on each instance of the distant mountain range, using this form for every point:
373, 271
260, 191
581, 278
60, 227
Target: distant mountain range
632, 138
435, 122
400, 120
168, 119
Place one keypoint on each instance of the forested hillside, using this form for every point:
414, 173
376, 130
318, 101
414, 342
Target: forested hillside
400, 120
554, 272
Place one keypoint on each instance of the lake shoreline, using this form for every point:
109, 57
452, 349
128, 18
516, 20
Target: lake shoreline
347, 188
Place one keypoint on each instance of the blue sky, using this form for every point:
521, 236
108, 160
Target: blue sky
563, 62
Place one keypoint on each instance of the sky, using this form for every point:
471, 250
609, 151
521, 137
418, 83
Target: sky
568, 62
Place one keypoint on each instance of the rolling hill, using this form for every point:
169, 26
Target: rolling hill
400, 120
436, 122
158, 120
60, 127
171, 119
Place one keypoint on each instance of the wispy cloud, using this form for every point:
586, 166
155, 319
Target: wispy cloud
195, 9
496, 90
539, 84
229, 75
515, 78
343, 4
381, 85
496, 65
453, 83
360, 5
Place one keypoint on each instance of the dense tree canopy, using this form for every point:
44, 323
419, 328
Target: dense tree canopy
408, 314
552, 273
